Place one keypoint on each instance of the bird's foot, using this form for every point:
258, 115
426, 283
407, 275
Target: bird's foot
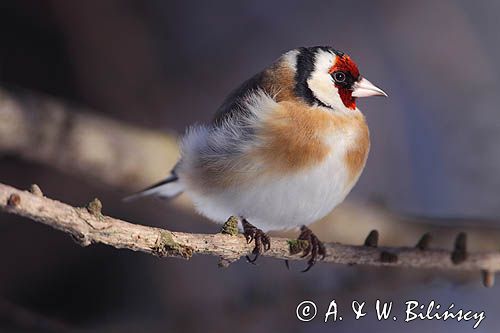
315, 249
262, 240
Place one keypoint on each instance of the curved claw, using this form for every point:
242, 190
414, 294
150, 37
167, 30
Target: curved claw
252, 261
315, 249
249, 238
261, 239
309, 265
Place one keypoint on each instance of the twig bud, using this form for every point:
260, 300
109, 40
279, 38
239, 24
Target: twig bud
372, 239
459, 253
35, 190
424, 242
488, 278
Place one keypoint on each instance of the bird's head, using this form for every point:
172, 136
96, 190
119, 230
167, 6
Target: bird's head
328, 77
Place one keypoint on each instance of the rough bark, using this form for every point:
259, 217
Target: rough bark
88, 225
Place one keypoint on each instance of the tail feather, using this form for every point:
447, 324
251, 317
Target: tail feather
167, 188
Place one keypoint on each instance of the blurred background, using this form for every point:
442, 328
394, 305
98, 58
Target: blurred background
164, 65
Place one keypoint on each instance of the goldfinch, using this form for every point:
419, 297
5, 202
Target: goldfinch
283, 149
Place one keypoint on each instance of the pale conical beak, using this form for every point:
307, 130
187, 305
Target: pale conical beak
365, 88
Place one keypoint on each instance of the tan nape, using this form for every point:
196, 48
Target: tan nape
279, 82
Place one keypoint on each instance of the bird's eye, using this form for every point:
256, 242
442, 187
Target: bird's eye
339, 77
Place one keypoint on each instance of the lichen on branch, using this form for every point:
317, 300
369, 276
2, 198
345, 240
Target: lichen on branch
88, 226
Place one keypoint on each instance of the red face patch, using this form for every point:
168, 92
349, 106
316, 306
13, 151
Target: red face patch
345, 64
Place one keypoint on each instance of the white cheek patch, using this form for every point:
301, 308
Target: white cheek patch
321, 83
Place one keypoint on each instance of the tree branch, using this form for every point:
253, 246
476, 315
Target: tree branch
51, 132
88, 226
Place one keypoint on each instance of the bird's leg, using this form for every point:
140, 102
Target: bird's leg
262, 240
315, 248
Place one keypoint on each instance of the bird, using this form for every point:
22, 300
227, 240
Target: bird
282, 151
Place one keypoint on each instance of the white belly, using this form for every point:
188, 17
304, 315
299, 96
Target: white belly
282, 202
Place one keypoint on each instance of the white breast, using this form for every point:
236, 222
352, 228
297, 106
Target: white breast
288, 201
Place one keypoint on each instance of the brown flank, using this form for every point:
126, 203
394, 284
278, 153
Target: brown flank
356, 157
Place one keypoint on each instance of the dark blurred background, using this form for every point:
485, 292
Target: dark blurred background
164, 65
